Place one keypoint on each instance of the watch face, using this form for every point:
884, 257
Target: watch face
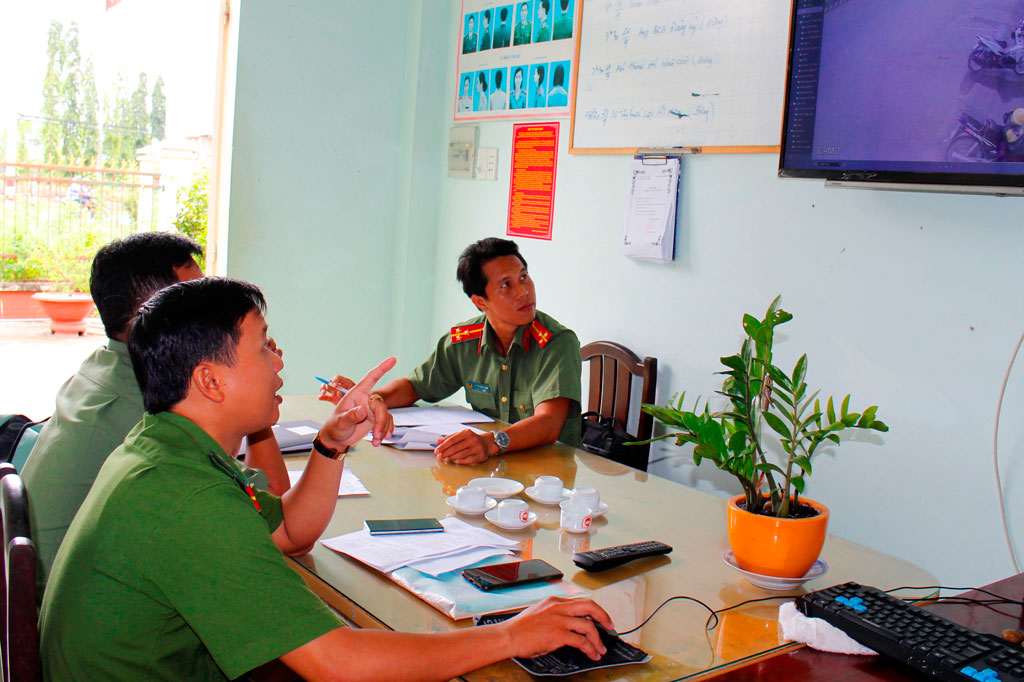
501, 438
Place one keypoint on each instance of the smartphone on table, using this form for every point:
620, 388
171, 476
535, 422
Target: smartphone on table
396, 526
510, 574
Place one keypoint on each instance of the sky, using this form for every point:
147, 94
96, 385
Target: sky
176, 39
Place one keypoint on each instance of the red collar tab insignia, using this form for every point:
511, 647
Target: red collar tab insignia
467, 332
540, 334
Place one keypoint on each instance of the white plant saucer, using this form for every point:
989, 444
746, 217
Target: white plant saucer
769, 582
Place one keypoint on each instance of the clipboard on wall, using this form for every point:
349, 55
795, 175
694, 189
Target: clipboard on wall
649, 225
682, 76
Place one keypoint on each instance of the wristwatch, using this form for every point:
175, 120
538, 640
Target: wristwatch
329, 453
501, 440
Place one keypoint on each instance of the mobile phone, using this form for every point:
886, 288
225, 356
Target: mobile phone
395, 526
510, 574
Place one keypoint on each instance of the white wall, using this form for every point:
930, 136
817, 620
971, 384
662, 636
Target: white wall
342, 211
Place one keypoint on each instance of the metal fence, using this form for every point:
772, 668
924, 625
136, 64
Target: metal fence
50, 211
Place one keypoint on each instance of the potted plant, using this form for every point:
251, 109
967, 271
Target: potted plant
772, 529
68, 264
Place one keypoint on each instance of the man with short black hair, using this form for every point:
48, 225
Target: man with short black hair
170, 569
515, 363
101, 403
503, 31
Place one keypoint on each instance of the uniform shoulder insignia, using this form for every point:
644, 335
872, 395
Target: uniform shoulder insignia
540, 333
466, 332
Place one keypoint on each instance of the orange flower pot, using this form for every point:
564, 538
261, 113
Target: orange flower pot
784, 548
67, 312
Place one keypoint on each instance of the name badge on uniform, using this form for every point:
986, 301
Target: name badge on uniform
473, 386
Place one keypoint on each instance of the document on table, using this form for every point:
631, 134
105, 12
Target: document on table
649, 228
293, 436
350, 483
437, 414
388, 552
422, 437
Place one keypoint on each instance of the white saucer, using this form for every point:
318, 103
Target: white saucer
493, 518
602, 507
498, 488
489, 504
768, 582
532, 494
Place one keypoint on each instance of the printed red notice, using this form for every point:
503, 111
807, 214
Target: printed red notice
531, 199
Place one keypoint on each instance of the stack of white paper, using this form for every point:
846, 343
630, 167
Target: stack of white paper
350, 483
461, 544
437, 414
422, 437
649, 230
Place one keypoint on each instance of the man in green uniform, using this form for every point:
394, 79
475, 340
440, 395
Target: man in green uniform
170, 570
485, 30
544, 26
503, 31
469, 41
99, 405
515, 363
524, 29
563, 24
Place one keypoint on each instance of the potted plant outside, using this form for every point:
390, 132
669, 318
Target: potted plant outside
68, 265
772, 529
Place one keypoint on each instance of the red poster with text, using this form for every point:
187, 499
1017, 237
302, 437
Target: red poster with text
531, 195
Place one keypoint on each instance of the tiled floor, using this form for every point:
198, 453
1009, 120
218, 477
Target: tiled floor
35, 363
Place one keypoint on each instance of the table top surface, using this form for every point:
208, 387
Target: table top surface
640, 507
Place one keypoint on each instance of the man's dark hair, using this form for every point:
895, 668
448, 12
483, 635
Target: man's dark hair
497, 80
558, 76
182, 326
487, 16
504, 14
128, 271
546, 5
565, 5
470, 271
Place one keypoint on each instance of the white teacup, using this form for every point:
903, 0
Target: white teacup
513, 512
575, 516
587, 496
548, 487
470, 497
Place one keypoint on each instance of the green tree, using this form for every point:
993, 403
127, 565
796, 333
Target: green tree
158, 114
71, 86
138, 115
193, 205
24, 131
52, 85
90, 133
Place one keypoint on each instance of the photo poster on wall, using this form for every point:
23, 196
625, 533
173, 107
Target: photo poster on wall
515, 59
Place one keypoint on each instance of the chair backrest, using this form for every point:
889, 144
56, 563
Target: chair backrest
612, 368
25, 442
21, 633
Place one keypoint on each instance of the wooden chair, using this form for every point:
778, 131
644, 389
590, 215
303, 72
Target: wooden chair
21, 632
612, 368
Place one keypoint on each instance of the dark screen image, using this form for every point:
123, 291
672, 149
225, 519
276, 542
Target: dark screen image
513, 573
376, 526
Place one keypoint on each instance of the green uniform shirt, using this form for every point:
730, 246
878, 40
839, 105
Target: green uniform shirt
543, 32
543, 363
563, 28
522, 34
95, 409
469, 43
168, 571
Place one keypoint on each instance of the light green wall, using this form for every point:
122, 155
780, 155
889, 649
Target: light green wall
910, 301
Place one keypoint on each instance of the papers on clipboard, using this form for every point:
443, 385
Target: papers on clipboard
649, 229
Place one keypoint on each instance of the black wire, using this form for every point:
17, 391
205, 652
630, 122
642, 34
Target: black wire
1003, 600
680, 596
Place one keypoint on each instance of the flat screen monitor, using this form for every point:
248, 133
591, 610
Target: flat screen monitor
922, 92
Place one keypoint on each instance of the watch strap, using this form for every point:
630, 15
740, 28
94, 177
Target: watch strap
329, 453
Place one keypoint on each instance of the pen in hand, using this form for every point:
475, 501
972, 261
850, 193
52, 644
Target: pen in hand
333, 386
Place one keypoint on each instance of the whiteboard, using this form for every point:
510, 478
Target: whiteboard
680, 73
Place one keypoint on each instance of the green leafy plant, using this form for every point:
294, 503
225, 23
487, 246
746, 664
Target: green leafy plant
68, 261
193, 207
760, 393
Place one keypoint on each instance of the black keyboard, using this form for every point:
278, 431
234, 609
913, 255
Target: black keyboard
568, 660
922, 640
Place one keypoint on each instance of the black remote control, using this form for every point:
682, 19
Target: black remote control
610, 557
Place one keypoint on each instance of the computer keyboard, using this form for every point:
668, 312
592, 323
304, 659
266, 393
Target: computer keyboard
922, 640
568, 660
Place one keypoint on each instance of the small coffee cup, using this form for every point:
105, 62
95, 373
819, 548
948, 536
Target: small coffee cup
575, 516
587, 496
513, 512
548, 487
471, 497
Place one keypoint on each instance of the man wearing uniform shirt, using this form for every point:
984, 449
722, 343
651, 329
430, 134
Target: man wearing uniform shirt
524, 29
502, 32
514, 362
469, 42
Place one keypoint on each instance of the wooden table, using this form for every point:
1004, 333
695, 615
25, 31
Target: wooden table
641, 507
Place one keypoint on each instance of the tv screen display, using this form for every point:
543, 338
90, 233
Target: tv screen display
906, 91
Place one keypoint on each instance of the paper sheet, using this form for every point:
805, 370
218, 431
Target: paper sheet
437, 414
650, 223
350, 483
422, 437
453, 562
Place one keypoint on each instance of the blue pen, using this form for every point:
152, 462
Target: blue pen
334, 386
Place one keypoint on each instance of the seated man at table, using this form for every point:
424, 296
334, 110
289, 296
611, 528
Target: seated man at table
516, 363
99, 405
169, 570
